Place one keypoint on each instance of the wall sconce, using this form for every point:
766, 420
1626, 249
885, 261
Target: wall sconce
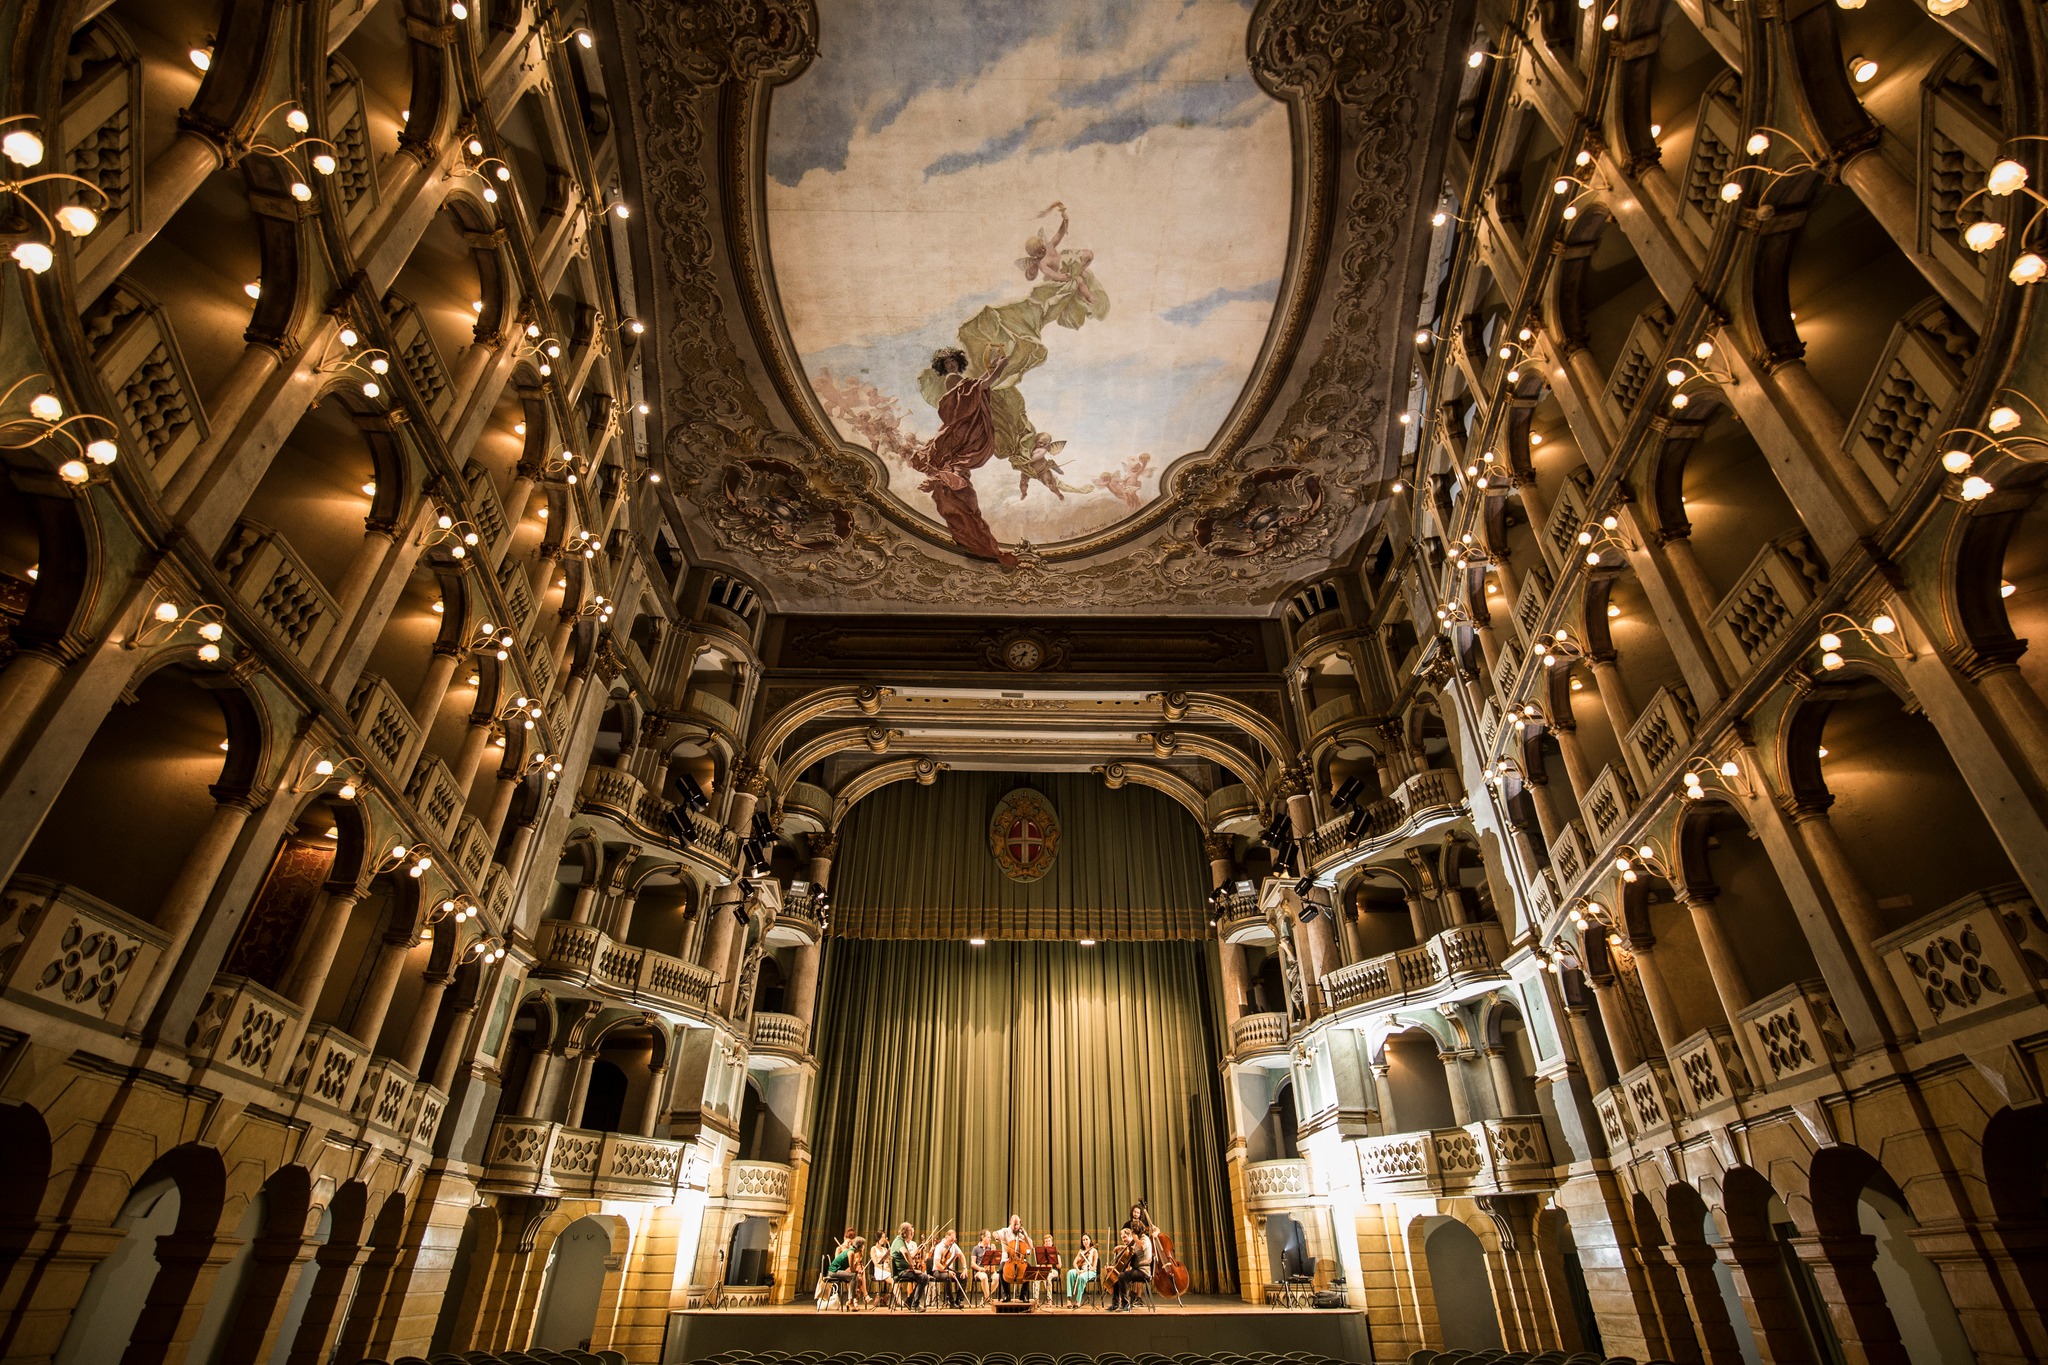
490, 639
459, 536
1528, 714
2003, 419
371, 365
598, 606
484, 169
1444, 215
585, 544
1644, 860
539, 347
546, 765
454, 912
1759, 143
1453, 613
1728, 776
323, 162
1555, 646
1603, 535
165, 620
314, 774
24, 147
1881, 635
45, 419
412, 860
523, 709
1501, 769
1488, 471
1682, 370
1465, 552
485, 949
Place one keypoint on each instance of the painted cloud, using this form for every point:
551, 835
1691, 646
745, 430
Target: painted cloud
912, 166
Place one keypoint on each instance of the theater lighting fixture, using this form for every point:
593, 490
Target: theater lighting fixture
322, 160
162, 622
1727, 775
1881, 636
23, 147
316, 770
459, 537
45, 421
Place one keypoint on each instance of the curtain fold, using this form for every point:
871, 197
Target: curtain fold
960, 1085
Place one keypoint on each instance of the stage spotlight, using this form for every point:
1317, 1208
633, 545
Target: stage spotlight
679, 821
693, 795
1356, 825
1309, 909
1348, 794
763, 829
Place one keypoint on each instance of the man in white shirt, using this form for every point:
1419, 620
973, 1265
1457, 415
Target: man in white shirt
1008, 1239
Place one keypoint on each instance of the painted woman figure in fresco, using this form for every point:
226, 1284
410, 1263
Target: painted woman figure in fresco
966, 441
999, 346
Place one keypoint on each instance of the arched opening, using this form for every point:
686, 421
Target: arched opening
1515, 1068
294, 1315
119, 1285
604, 1103
161, 753
1896, 791
1457, 1277
574, 1283
524, 1060
749, 1257
224, 1301
1929, 1328
468, 1278
1287, 1249
1418, 1089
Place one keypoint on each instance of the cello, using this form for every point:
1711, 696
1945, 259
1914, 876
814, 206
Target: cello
1016, 1260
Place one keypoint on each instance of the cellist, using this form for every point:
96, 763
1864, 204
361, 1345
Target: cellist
1015, 1244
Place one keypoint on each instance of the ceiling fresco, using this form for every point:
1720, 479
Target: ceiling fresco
1028, 258
1095, 306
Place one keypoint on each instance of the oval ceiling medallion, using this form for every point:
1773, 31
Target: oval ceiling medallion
1027, 255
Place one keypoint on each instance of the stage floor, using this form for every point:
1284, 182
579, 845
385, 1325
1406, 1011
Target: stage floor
1205, 1324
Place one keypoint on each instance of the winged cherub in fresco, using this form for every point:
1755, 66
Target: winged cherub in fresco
1038, 463
1069, 268
1124, 482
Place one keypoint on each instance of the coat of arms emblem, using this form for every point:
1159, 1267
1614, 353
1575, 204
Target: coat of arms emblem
1024, 835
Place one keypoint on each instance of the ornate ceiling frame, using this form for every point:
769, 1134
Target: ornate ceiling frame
1245, 530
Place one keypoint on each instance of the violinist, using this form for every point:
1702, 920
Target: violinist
1133, 1267
1015, 1244
949, 1270
1083, 1272
878, 1270
906, 1264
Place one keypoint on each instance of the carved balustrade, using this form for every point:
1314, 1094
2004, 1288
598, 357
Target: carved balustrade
70, 951
586, 955
1257, 1033
526, 1156
1494, 1156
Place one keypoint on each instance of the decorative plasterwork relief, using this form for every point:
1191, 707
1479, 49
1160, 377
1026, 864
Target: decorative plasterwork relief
1280, 496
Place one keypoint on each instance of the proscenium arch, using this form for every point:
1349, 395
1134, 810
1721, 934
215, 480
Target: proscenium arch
868, 781
1159, 780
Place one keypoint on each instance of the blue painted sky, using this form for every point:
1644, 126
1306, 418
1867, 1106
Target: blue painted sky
921, 149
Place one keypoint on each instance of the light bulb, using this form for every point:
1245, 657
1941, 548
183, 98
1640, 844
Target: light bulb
1571, 211
1680, 400
1703, 351
201, 57
457, 10
1976, 489
73, 471
33, 256
1612, 611
1830, 640
347, 791
1758, 143
2028, 269
2002, 419
1731, 768
1422, 336
1476, 60
1956, 461
209, 653
2005, 177
166, 611
324, 768
1438, 219
584, 40
1730, 191
1674, 377
1941, 9
380, 365
348, 336
1983, 236
1560, 185
22, 147
370, 389
212, 630
77, 219
643, 410
301, 191
437, 608
1608, 24
619, 210
1831, 661
1862, 69
46, 407
504, 173
1883, 624
254, 289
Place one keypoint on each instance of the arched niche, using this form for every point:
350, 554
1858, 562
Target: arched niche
573, 1286
1416, 1090
1466, 1313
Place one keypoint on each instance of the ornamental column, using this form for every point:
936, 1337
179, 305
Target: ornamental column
824, 846
1664, 1016
1853, 902
313, 955
1222, 869
412, 1049
187, 896
1730, 982
1620, 1041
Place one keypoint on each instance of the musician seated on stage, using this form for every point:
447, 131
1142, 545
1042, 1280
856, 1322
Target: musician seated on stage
878, 1270
1045, 1279
949, 1270
844, 1271
1015, 1243
1133, 1267
1083, 1272
988, 1266
905, 1265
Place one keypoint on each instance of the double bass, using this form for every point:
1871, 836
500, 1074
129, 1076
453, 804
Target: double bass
1169, 1273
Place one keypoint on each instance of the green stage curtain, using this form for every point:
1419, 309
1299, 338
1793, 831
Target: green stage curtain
915, 863
960, 1085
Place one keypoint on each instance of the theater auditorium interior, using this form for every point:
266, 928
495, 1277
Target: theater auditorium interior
598, 764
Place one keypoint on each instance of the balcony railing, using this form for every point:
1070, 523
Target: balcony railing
780, 1033
582, 953
1969, 958
1495, 1156
759, 1182
1707, 1070
1464, 955
1793, 1033
242, 1027
1241, 919
625, 798
1334, 713
525, 1156
717, 710
1277, 1184
1778, 585
75, 952
1256, 1033
1431, 797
